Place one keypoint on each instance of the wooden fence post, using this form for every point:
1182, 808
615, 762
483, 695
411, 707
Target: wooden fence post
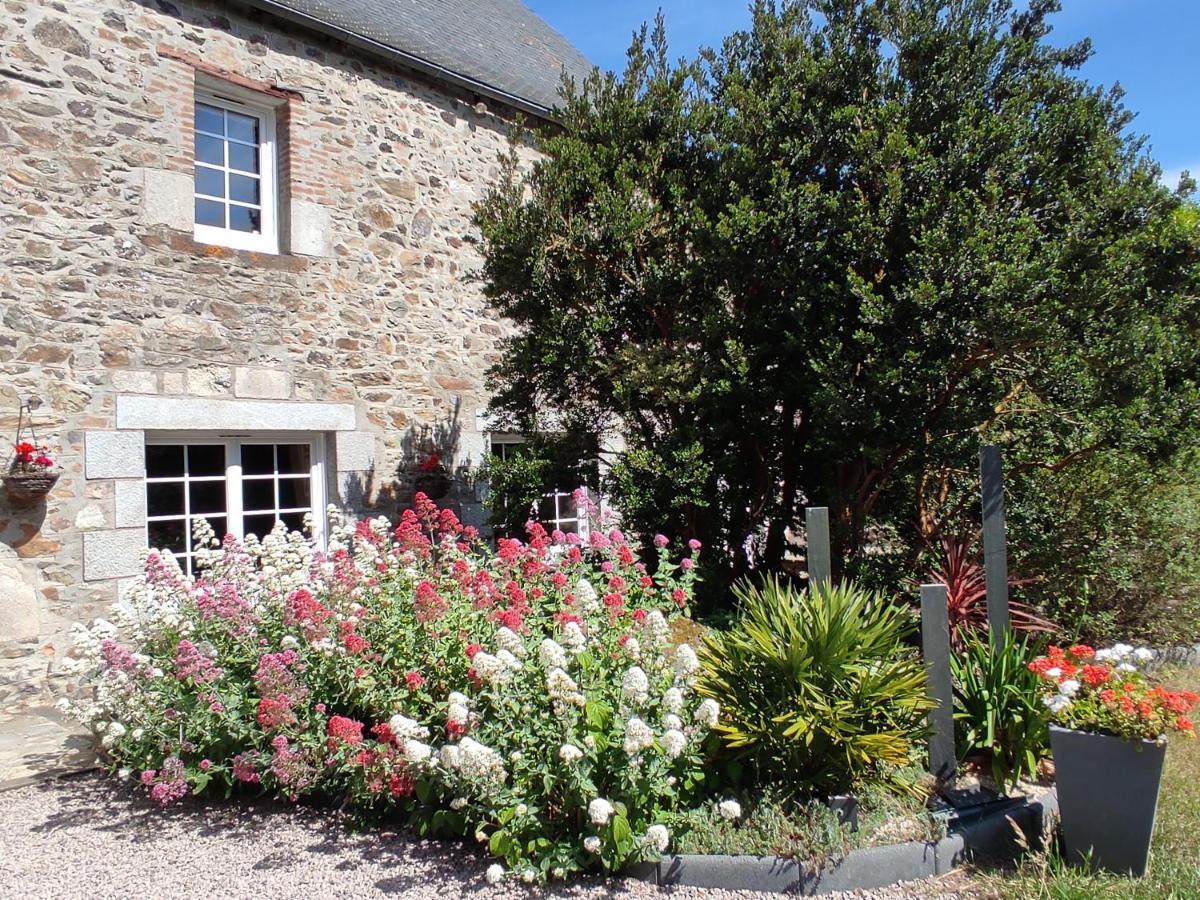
995, 552
820, 568
935, 646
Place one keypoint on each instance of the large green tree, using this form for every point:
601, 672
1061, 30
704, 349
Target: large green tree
824, 262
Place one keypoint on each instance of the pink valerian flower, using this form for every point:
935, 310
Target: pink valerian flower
341, 729
508, 549
169, 784
118, 657
275, 712
353, 642
276, 675
245, 768
660, 541
679, 595
429, 605
291, 768
222, 601
191, 663
686, 564
414, 681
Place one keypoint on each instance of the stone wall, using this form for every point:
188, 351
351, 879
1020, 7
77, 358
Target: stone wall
369, 318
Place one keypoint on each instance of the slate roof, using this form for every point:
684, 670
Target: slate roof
499, 48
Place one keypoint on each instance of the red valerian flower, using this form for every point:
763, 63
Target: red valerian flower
414, 680
1095, 675
341, 728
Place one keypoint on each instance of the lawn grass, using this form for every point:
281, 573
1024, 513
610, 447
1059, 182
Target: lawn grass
1175, 855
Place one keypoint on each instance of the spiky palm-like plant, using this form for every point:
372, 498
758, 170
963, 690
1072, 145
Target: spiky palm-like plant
819, 690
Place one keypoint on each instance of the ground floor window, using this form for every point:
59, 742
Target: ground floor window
242, 486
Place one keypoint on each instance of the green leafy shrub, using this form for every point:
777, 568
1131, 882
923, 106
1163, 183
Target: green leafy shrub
819, 690
998, 708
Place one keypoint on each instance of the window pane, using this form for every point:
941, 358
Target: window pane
546, 509
210, 181
243, 158
219, 528
164, 499
207, 496
570, 526
258, 459
206, 459
293, 521
210, 150
167, 536
209, 212
295, 493
259, 526
209, 118
294, 459
258, 494
243, 218
242, 128
164, 461
243, 188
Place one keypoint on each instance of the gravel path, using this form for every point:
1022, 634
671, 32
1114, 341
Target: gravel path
90, 837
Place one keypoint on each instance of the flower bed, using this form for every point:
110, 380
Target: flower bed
528, 698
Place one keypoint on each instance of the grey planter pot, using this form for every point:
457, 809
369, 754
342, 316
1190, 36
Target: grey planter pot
1107, 797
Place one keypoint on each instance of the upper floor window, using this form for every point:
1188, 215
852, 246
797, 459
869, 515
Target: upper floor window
236, 198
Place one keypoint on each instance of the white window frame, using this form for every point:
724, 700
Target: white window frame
247, 103
233, 473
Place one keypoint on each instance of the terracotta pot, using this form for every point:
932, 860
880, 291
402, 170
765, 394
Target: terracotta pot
25, 488
1108, 797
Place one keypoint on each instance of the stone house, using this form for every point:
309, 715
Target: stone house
236, 264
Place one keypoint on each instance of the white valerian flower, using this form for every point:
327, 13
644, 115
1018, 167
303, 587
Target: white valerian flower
125, 773
672, 721
458, 803
656, 630
638, 736
632, 647
457, 710
495, 873
589, 741
708, 712
569, 753
730, 809
1053, 672
63, 705
684, 660
562, 688
600, 811
416, 752
1069, 688
586, 595
529, 876
658, 837
573, 637
491, 669
507, 639
289, 642
635, 685
1143, 654
551, 654
591, 844
508, 659
672, 700
521, 809
674, 742
1126, 667
404, 727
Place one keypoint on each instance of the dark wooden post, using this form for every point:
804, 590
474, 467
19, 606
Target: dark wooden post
935, 645
995, 552
820, 568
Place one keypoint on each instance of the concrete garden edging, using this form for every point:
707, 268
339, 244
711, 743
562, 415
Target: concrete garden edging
985, 834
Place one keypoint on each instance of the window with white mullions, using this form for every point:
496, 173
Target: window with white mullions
234, 173
241, 487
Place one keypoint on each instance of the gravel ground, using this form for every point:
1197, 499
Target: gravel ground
90, 837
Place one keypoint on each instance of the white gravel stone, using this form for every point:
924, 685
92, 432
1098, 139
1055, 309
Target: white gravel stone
93, 837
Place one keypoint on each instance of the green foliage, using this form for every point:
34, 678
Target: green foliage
998, 708
543, 463
819, 691
822, 262
1116, 541
779, 825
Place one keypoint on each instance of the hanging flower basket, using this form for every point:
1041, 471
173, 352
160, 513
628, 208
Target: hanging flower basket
29, 487
31, 473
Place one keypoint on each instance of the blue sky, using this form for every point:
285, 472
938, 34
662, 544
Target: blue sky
1152, 47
